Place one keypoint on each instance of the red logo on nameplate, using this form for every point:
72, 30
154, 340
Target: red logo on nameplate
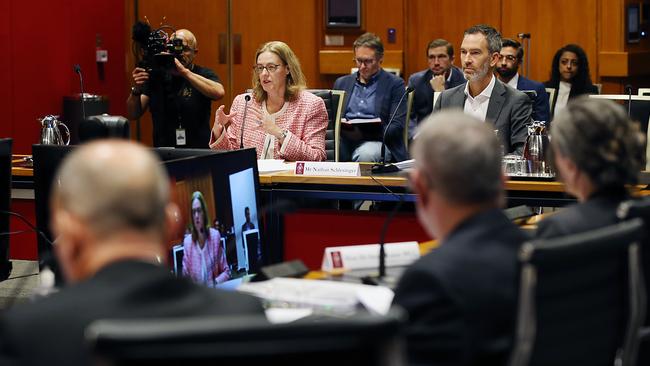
300, 168
337, 260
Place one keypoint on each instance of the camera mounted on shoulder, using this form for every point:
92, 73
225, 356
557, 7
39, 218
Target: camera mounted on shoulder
155, 49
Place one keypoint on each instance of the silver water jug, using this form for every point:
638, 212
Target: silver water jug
536, 150
51, 131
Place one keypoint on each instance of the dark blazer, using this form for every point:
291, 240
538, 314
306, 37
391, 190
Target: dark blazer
598, 211
509, 110
51, 331
462, 297
423, 97
541, 108
390, 89
589, 89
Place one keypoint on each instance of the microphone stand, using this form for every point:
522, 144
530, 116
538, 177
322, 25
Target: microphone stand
77, 69
628, 88
381, 279
382, 167
247, 98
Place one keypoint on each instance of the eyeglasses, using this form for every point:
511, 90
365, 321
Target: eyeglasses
271, 68
509, 58
197, 210
364, 61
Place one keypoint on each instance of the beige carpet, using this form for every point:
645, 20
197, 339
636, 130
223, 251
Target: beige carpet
20, 285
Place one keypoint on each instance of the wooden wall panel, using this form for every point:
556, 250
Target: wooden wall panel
428, 20
550, 28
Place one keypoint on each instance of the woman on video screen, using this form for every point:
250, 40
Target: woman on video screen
204, 260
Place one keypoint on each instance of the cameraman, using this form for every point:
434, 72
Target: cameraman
179, 97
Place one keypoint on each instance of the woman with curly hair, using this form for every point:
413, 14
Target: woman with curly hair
598, 151
204, 260
570, 76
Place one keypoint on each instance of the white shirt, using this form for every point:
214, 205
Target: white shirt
514, 81
562, 96
269, 140
478, 106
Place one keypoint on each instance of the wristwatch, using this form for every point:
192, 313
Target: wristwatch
135, 91
284, 134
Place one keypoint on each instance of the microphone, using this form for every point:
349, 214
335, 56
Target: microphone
77, 69
523, 35
247, 98
382, 167
628, 89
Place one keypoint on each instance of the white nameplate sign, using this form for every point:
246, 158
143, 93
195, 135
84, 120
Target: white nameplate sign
367, 256
324, 168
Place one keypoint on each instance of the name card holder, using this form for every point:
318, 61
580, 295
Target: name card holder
324, 168
367, 256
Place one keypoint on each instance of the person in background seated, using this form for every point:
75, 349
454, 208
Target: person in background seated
506, 110
440, 75
248, 225
598, 151
283, 121
371, 93
204, 260
570, 75
461, 297
510, 58
112, 218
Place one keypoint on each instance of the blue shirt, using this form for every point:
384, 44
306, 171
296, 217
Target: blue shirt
362, 100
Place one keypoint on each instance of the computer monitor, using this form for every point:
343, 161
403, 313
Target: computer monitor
5, 204
228, 184
48, 158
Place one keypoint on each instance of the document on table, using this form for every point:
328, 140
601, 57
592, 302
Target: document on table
274, 165
358, 121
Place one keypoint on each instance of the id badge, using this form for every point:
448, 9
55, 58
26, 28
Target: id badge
180, 137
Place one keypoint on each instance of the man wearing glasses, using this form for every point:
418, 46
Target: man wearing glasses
511, 56
372, 93
179, 98
483, 96
440, 75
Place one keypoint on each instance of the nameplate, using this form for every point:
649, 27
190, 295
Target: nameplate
323, 168
367, 256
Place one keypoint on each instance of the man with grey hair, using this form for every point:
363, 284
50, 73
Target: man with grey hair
112, 218
461, 297
483, 96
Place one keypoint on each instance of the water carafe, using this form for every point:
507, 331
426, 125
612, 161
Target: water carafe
51, 131
536, 150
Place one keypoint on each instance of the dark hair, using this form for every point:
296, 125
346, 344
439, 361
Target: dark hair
509, 42
601, 140
580, 83
370, 40
492, 36
441, 43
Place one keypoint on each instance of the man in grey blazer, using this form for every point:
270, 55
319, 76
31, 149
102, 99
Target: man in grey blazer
485, 97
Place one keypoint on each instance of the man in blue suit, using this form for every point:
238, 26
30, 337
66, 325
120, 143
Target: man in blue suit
440, 75
510, 57
372, 93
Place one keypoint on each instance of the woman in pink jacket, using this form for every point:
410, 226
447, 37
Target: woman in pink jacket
204, 259
283, 121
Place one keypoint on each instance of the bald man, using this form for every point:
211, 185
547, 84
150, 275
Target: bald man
112, 217
179, 98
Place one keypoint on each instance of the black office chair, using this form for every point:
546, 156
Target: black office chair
104, 126
249, 340
5, 205
628, 210
333, 103
581, 298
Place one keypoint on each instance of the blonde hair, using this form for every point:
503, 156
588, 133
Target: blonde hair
295, 79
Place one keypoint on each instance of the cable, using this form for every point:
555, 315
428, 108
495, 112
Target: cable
28, 223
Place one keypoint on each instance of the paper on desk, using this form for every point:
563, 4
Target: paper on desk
274, 165
321, 295
356, 121
284, 315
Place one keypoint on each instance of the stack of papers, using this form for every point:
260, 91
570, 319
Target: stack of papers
274, 165
406, 164
320, 296
356, 121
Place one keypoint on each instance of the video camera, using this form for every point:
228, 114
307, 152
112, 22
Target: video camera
154, 48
